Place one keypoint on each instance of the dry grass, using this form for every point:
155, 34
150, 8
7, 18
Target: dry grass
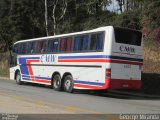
151, 57
151, 73
4, 67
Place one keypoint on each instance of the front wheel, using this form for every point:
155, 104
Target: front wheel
68, 84
18, 78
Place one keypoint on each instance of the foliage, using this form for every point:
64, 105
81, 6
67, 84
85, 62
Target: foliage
130, 19
26, 19
151, 20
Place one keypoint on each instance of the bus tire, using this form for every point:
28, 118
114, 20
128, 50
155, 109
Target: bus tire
56, 82
18, 78
68, 84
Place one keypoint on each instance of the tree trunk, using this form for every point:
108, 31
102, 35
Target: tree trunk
54, 26
46, 17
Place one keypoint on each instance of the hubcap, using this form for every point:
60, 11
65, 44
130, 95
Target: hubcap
56, 83
68, 84
18, 78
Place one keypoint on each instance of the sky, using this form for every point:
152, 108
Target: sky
113, 6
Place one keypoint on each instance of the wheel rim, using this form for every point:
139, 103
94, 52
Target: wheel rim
68, 84
56, 83
18, 78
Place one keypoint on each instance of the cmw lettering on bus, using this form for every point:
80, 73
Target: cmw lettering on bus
127, 49
47, 58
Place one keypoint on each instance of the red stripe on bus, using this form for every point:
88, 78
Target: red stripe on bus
30, 68
114, 84
87, 86
126, 62
84, 60
105, 86
43, 81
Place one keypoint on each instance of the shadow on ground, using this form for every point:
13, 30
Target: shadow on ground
151, 83
150, 86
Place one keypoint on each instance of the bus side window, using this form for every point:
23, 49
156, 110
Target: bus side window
63, 44
84, 42
22, 48
31, 49
43, 46
15, 48
50, 46
99, 41
38, 46
93, 42
69, 44
55, 45
76, 46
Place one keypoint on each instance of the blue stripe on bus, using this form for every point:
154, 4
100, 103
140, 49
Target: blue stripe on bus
24, 69
89, 83
24, 78
36, 77
22, 60
43, 78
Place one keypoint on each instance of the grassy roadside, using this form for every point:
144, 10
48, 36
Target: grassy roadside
151, 57
151, 68
4, 67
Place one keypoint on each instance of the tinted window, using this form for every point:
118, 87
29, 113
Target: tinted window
31, 47
38, 46
127, 36
15, 48
76, 46
97, 41
81, 43
41, 46
93, 42
22, 48
53, 45
69, 44
63, 44
84, 42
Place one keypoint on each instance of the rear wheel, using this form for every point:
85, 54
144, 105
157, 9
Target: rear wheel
68, 84
18, 78
56, 82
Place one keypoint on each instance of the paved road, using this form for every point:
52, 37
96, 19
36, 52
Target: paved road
30, 98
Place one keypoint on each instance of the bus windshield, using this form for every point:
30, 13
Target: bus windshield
127, 36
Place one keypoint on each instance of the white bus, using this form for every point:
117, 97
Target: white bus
100, 59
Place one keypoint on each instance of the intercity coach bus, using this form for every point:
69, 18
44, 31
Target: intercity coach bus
99, 59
